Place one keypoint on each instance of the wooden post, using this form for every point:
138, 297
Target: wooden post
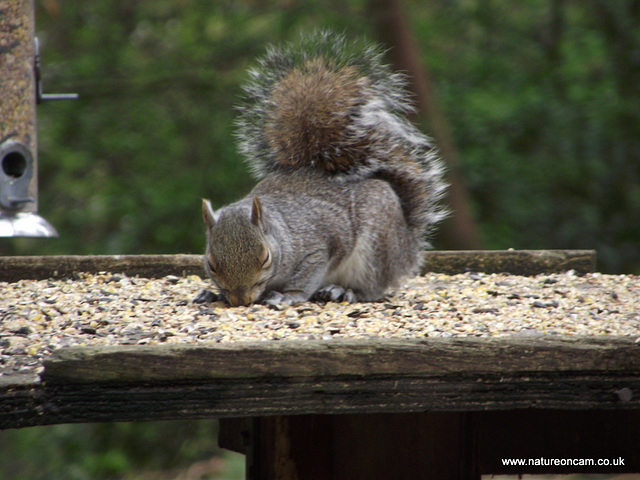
292, 447
430, 446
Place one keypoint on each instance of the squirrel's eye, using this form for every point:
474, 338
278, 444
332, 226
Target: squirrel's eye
210, 265
266, 263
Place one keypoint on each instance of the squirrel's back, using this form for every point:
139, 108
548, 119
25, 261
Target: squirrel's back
333, 106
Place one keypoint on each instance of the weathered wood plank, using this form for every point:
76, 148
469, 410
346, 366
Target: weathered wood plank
13, 269
435, 357
516, 262
523, 262
45, 403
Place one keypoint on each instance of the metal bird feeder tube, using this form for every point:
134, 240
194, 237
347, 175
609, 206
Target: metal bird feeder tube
20, 91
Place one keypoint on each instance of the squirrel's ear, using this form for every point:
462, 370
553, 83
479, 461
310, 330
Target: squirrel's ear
256, 212
208, 215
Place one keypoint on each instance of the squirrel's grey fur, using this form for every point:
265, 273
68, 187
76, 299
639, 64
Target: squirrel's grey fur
348, 189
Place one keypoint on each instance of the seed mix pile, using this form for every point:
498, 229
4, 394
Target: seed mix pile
38, 317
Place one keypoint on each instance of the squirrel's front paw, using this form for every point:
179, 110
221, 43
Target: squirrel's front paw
207, 296
274, 299
334, 293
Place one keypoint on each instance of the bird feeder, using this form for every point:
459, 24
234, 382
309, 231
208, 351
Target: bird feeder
20, 91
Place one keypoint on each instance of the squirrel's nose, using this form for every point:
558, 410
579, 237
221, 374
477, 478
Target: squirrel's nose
240, 296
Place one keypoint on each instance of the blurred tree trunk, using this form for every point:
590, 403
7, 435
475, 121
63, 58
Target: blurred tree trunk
551, 40
619, 24
459, 231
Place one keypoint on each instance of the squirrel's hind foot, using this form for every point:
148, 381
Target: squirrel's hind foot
334, 293
330, 293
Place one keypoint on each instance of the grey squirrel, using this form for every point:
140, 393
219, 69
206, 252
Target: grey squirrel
348, 189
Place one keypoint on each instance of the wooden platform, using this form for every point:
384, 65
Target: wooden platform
347, 410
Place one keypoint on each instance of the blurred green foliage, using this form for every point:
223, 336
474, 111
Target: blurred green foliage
544, 101
126, 451
543, 98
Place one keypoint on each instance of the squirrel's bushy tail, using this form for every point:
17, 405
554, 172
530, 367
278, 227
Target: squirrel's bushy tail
334, 106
